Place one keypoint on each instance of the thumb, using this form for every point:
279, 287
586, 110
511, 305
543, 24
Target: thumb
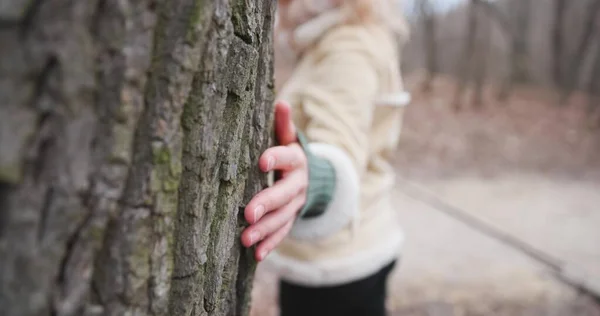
285, 131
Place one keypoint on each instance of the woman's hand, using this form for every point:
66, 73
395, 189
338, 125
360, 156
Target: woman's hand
271, 212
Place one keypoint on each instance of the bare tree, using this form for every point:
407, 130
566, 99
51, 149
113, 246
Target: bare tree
510, 30
427, 12
593, 88
481, 59
495, 13
558, 22
584, 47
128, 129
515, 26
520, 10
465, 64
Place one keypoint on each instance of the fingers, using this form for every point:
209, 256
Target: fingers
276, 196
284, 158
272, 222
271, 242
284, 127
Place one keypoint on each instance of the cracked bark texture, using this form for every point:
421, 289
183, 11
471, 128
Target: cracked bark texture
129, 136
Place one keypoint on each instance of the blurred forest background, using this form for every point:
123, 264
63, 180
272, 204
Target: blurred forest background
498, 163
553, 43
528, 69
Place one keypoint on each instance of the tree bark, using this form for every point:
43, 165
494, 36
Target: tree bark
129, 132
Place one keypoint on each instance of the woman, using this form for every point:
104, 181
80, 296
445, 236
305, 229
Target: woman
330, 214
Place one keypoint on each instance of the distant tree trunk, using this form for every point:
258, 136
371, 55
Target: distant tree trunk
560, 7
585, 46
128, 132
465, 64
522, 10
429, 28
515, 33
593, 89
519, 55
481, 60
497, 15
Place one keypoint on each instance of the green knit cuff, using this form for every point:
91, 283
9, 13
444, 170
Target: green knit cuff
321, 183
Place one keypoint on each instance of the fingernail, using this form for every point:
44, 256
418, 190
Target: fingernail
263, 254
254, 235
270, 163
258, 212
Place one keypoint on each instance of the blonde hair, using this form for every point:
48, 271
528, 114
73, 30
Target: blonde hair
387, 11
291, 39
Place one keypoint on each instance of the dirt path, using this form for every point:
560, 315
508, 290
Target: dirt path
449, 268
556, 215
452, 269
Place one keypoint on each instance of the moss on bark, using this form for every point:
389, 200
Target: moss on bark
122, 193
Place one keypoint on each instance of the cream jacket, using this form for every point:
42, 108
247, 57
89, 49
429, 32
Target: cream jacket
347, 97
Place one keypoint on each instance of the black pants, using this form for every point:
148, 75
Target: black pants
365, 297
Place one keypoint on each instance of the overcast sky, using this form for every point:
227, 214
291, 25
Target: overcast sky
442, 5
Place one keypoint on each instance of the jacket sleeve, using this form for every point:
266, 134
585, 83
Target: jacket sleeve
338, 103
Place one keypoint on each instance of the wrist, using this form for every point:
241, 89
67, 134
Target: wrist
321, 182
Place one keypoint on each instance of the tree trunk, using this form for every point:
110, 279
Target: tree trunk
465, 70
519, 54
585, 45
557, 41
481, 60
129, 132
593, 88
495, 13
429, 28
